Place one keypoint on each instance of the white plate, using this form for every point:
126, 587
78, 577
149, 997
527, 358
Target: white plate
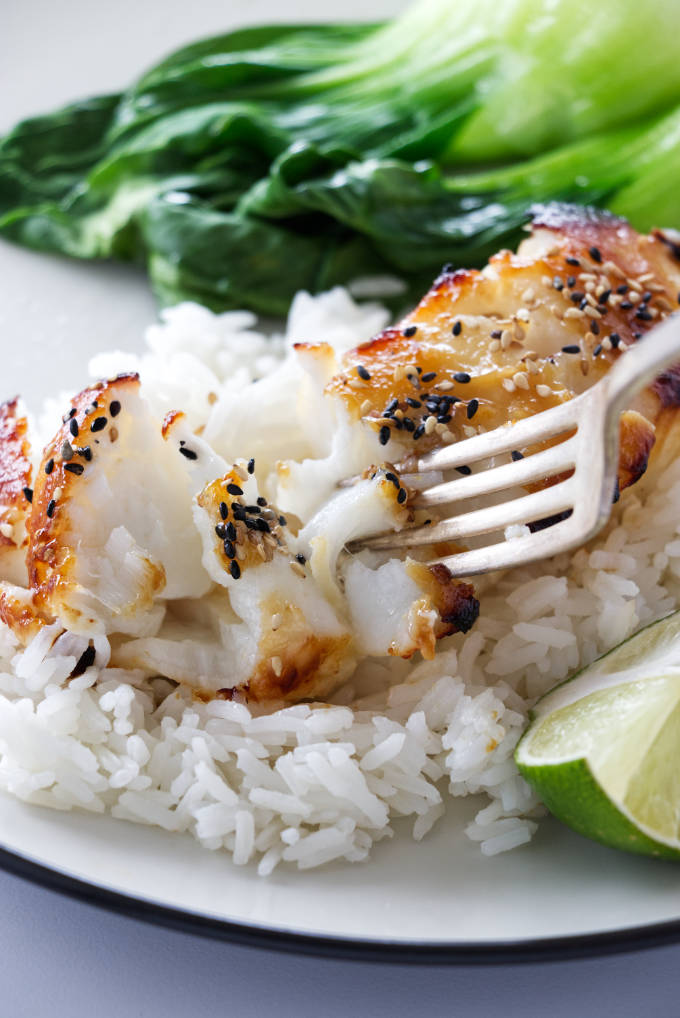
434, 901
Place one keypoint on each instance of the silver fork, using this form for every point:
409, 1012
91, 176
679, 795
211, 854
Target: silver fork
582, 502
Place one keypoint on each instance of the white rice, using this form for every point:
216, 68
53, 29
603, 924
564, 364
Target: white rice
306, 785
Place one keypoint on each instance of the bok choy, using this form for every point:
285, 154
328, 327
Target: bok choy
248, 166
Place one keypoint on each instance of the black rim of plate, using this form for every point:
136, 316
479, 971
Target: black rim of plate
550, 949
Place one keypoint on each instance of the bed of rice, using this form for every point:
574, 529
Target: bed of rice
308, 784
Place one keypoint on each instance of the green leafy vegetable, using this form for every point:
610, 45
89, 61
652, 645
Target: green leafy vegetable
248, 166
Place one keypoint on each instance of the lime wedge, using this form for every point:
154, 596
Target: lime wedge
603, 748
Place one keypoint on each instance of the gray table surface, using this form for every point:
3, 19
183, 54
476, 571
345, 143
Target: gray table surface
61, 957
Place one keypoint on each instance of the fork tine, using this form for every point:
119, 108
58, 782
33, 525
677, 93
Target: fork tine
529, 430
533, 468
538, 505
562, 536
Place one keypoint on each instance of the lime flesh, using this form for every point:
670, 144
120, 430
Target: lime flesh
603, 748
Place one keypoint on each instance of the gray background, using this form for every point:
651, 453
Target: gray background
60, 957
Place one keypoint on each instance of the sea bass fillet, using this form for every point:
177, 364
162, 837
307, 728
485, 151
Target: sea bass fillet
207, 542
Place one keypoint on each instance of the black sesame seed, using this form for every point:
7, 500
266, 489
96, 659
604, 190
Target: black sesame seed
188, 453
419, 432
517, 455
28, 494
571, 348
85, 661
443, 418
637, 335
392, 406
625, 305
282, 521
399, 425
300, 558
419, 369
51, 506
251, 466
85, 452
594, 327
402, 496
557, 283
577, 296
384, 435
464, 471
251, 524
73, 427
615, 339
74, 468
571, 281
230, 531
49, 466
457, 328
604, 297
238, 511
233, 489
617, 492
597, 350
221, 531
602, 308
644, 315
595, 254
252, 509
234, 569
66, 450
623, 288
497, 333
472, 408
647, 296
98, 424
573, 261
447, 267
410, 331
584, 304
409, 424
363, 373
462, 377
429, 376
229, 549
224, 510
415, 403
261, 501
114, 408
389, 476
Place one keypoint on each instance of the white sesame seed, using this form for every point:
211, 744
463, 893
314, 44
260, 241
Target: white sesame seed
448, 437
277, 619
494, 344
277, 666
663, 304
365, 407
508, 385
444, 386
523, 314
532, 367
574, 313
506, 339
7, 530
615, 300
543, 390
593, 313
430, 425
589, 287
591, 300
57, 493
518, 332
521, 379
528, 296
646, 277
298, 569
240, 472
614, 269
606, 343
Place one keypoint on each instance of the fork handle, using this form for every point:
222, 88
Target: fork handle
643, 362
